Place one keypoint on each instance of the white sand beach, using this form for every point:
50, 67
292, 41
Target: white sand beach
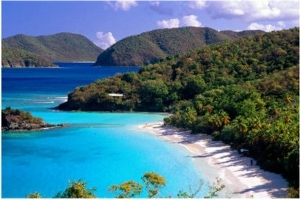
215, 159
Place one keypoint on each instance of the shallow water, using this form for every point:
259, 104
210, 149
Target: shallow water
100, 148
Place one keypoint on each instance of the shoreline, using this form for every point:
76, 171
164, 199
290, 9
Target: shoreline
214, 159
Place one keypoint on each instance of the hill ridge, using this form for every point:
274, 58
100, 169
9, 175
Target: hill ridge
151, 46
59, 47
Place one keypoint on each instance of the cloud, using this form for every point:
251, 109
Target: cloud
105, 40
190, 20
267, 28
172, 23
200, 4
124, 5
250, 10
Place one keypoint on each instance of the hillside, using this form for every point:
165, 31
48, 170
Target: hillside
244, 92
12, 57
150, 47
61, 47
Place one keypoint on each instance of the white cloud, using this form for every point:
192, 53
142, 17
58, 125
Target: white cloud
172, 23
281, 24
190, 20
200, 4
124, 5
105, 40
251, 10
267, 28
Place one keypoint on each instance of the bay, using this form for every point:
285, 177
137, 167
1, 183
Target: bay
100, 148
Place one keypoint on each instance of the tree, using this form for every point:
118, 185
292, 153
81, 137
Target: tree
153, 182
127, 189
195, 85
192, 194
77, 189
215, 188
152, 94
34, 195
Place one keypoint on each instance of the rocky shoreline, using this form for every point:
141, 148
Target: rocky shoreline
18, 120
30, 127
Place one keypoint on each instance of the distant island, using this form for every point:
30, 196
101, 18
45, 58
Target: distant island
18, 120
149, 47
137, 50
41, 51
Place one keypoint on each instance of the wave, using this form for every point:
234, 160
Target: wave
44, 102
61, 98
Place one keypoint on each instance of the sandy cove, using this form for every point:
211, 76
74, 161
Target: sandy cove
217, 160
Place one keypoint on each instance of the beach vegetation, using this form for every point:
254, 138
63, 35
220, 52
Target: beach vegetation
243, 92
77, 189
34, 195
152, 182
128, 189
215, 189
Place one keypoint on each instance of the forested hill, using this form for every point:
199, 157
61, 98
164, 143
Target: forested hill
150, 47
12, 57
244, 92
62, 47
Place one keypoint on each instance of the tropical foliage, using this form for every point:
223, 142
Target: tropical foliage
18, 116
77, 189
152, 181
62, 47
243, 92
150, 47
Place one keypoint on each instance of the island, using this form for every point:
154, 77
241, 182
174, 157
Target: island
18, 120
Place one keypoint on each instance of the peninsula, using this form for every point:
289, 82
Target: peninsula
18, 120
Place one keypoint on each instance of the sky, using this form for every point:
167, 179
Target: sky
106, 22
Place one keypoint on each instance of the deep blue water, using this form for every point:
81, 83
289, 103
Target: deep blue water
100, 148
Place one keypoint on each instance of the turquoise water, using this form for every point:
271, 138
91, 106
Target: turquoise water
100, 148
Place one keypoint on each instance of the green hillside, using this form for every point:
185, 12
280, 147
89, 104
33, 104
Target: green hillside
244, 92
12, 57
150, 47
61, 47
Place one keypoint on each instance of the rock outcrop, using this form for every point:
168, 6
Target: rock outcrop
18, 120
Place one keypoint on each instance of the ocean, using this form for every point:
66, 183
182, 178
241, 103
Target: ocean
100, 148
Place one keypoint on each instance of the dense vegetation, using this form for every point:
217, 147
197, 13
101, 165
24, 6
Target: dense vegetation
61, 47
243, 92
152, 182
13, 57
150, 47
19, 120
